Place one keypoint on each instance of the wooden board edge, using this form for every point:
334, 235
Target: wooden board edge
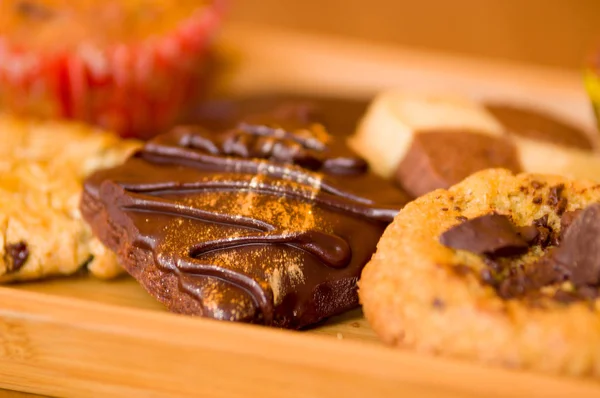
69, 347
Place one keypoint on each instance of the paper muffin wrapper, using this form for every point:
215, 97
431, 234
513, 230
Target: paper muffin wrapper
136, 90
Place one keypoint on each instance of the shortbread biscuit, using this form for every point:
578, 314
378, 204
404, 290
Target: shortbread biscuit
42, 166
429, 141
384, 135
523, 295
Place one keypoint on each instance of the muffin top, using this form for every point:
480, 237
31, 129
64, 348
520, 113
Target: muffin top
44, 25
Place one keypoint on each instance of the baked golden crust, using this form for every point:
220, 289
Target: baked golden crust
413, 296
42, 166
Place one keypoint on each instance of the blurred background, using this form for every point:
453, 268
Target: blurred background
555, 33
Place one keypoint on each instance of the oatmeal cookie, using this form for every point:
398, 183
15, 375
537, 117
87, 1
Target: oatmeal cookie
42, 166
500, 268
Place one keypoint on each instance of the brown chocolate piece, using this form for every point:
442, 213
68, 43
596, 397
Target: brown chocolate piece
538, 125
16, 256
442, 159
565, 222
545, 232
557, 200
575, 259
529, 233
491, 234
579, 251
270, 222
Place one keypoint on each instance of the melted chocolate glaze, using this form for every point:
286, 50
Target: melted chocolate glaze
269, 222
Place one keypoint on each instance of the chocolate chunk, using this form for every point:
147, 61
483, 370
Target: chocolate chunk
514, 285
546, 271
529, 233
579, 251
541, 222
565, 222
526, 280
441, 159
537, 200
575, 259
16, 256
557, 200
555, 194
536, 184
538, 125
545, 232
544, 236
491, 234
269, 222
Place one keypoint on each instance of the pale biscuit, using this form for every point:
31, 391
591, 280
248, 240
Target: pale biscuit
387, 130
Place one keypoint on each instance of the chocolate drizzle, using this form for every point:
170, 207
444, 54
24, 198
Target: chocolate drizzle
271, 209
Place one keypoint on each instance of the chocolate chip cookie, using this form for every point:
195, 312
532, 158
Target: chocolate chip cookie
501, 268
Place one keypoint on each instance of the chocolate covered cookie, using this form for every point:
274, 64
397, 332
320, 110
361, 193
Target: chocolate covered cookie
501, 268
269, 222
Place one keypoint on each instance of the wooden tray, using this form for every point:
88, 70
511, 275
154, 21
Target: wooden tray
84, 337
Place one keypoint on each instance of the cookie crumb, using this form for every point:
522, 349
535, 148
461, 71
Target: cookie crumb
438, 303
536, 184
555, 194
17, 254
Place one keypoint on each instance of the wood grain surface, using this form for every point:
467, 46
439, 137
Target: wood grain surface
126, 292
83, 337
555, 32
77, 347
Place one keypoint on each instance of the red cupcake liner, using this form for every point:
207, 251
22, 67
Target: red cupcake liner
136, 90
